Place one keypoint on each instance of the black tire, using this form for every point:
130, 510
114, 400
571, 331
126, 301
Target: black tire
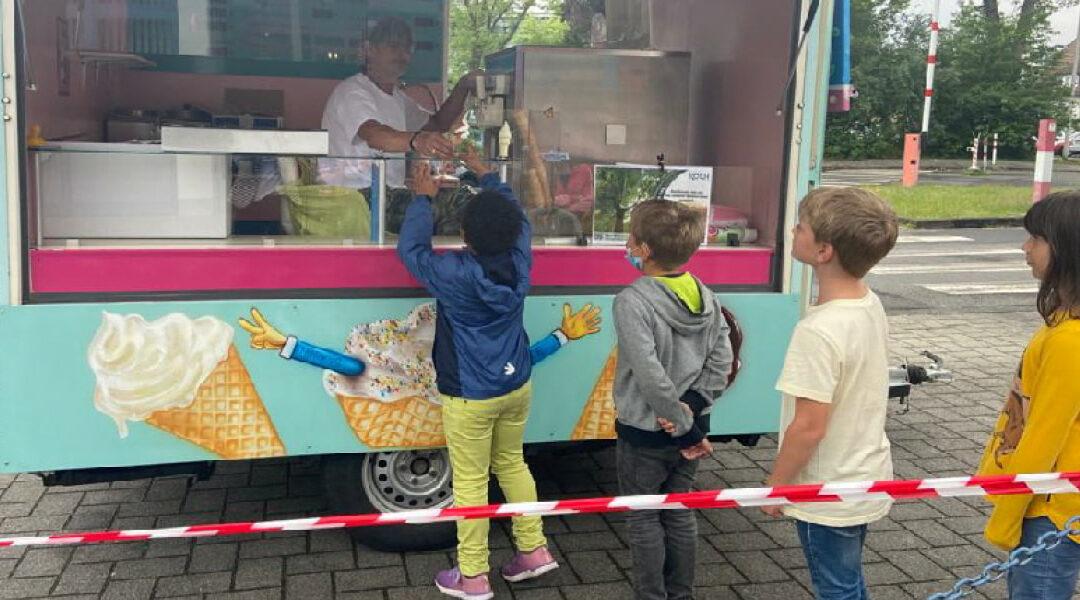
408, 480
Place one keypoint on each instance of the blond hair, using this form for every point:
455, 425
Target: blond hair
672, 230
861, 227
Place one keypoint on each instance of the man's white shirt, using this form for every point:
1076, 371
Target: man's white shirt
352, 103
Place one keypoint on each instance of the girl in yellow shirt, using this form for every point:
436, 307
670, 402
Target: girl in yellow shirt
1039, 428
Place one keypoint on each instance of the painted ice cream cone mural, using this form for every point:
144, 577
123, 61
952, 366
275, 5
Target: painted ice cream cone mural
384, 381
597, 421
183, 376
394, 403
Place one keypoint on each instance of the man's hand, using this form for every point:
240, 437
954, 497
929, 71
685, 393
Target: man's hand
700, 450
475, 163
773, 511
576, 325
433, 145
263, 335
467, 84
422, 183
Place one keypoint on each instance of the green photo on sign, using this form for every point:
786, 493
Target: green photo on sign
618, 188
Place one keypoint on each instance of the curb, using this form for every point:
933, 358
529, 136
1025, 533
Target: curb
947, 165
973, 223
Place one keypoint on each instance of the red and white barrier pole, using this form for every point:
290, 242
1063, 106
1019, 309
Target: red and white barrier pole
913, 153
986, 151
993, 160
1044, 159
931, 63
849, 491
974, 153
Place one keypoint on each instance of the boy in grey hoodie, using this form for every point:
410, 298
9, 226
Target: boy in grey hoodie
673, 362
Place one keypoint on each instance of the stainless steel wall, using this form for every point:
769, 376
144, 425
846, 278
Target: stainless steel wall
572, 95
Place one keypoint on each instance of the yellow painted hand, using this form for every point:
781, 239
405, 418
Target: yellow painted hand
263, 335
576, 325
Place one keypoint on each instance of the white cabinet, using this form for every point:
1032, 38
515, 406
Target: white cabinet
96, 190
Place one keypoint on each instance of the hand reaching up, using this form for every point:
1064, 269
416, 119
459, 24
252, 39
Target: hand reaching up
422, 183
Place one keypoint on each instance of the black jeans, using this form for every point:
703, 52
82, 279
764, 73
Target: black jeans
662, 542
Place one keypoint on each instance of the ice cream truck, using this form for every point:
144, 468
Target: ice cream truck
184, 282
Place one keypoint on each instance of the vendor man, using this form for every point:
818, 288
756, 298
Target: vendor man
369, 114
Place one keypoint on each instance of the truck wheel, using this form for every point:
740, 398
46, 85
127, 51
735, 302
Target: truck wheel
393, 482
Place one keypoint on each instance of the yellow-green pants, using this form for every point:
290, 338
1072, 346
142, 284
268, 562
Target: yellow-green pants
485, 436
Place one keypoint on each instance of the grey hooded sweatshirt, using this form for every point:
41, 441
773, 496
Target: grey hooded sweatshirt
665, 351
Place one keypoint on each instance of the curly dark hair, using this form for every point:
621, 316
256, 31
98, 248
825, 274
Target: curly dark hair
1056, 219
491, 223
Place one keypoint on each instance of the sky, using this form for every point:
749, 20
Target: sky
1063, 22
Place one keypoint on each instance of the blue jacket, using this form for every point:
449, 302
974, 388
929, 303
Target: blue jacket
481, 349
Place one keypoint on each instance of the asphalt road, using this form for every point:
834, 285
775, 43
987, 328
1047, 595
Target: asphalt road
956, 271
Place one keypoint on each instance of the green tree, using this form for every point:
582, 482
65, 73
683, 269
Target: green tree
619, 190
995, 75
578, 15
547, 31
888, 54
481, 27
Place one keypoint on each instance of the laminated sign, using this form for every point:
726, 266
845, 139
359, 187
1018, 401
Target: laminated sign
618, 188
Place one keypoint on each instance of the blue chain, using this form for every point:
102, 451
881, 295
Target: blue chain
1021, 556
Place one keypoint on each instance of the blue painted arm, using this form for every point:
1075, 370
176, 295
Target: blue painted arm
323, 358
551, 344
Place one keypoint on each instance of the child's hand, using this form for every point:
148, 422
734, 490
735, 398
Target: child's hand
580, 324
474, 163
666, 425
422, 183
263, 335
773, 511
700, 450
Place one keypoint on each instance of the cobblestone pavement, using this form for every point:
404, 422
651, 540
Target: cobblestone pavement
922, 547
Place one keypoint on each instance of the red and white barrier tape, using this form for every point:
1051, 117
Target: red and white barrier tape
1039, 483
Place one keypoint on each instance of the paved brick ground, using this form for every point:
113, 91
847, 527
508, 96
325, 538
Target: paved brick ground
921, 548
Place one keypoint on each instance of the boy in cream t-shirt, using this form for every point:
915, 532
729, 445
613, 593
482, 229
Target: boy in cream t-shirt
835, 384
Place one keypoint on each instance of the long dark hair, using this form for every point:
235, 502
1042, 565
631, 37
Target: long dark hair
1056, 219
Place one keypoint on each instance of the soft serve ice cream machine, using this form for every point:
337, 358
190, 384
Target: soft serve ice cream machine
542, 107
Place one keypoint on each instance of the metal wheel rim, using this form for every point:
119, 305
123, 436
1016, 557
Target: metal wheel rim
397, 481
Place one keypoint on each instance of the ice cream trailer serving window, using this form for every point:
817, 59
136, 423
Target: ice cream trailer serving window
180, 151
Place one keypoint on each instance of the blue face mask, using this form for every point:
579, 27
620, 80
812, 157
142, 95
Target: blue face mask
635, 261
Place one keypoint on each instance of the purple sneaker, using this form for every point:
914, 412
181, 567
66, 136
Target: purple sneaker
452, 583
527, 565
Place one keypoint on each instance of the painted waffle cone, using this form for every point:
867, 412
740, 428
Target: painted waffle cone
597, 420
227, 417
411, 422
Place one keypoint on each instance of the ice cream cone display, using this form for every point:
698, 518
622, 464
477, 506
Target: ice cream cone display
597, 420
395, 402
182, 376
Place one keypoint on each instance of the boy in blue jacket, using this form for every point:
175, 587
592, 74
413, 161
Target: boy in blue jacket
482, 366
